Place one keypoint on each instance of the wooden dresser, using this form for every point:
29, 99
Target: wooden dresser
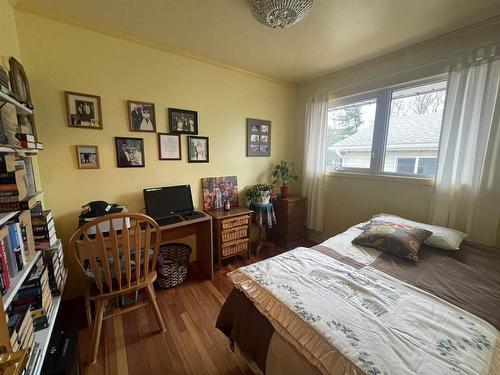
291, 220
231, 233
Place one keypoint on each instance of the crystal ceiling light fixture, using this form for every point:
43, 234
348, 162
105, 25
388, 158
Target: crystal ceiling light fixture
280, 13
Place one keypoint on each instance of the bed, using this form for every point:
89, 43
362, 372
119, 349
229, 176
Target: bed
339, 308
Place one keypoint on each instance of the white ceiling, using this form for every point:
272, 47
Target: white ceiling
336, 34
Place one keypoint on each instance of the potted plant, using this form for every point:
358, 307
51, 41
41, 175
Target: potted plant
284, 172
259, 194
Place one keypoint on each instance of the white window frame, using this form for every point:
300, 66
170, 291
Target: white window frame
383, 99
415, 169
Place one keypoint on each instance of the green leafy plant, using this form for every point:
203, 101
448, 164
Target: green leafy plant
255, 193
284, 172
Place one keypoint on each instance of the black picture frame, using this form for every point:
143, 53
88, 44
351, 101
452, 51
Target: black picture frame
137, 112
258, 137
133, 155
193, 155
182, 121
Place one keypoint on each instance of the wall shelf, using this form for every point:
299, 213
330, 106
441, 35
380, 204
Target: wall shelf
21, 151
17, 280
20, 108
6, 216
42, 337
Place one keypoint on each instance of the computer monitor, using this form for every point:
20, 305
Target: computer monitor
168, 201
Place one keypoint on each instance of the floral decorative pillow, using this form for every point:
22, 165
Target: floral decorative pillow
398, 239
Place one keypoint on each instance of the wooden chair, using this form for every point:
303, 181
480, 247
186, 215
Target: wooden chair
117, 263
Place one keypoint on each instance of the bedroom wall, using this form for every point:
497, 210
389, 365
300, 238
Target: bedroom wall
9, 42
60, 57
352, 198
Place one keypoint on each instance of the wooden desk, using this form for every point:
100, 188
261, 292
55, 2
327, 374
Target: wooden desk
202, 228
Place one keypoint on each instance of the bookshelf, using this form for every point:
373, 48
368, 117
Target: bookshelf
6, 216
21, 151
42, 337
20, 108
17, 280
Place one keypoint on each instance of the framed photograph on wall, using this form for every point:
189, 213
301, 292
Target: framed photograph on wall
88, 156
197, 149
258, 137
217, 190
141, 116
182, 121
84, 110
169, 146
129, 152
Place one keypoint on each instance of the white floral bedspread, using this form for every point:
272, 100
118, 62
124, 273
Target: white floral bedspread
379, 323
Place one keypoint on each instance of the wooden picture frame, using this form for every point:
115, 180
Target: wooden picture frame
182, 121
85, 158
129, 152
83, 110
169, 146
141, 116
20, 86
198, 149
258, 137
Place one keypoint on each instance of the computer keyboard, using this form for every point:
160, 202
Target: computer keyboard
169, 220
193, 215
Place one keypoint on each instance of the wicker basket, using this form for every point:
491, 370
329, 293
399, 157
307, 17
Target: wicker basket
235, 222
234, 233
234, 247
173, 270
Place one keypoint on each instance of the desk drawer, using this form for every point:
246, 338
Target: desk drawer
235, 221
234, 233
234, 247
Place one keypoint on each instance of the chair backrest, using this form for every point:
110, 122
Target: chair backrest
121, 252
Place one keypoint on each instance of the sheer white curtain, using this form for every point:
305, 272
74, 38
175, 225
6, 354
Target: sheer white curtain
313, 175
467, 193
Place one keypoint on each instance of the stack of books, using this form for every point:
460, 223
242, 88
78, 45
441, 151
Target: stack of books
13, 256
17, 183
35, 293
29, 141
44, 232
21, 330
53, 258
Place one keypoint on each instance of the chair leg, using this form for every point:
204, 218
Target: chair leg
156, 310
87, 310
97, 329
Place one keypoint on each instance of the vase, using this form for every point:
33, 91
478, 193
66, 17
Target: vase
284, 192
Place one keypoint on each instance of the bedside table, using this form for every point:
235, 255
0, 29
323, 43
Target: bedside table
231, 232
291, 220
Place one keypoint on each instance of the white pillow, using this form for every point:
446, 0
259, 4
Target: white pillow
442, 237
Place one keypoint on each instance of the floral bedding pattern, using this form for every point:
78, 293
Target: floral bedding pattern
379, 323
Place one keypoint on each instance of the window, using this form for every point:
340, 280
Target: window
390, 131
423, 166
350, 135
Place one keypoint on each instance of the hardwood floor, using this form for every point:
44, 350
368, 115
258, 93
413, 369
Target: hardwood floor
131, 344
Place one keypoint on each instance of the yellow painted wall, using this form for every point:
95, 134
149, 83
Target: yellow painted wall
9, 43
351, 199
60, 57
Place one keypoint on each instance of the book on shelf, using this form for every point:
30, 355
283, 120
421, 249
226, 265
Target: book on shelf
46, 243
43, 218
13, 186
5, 275
26, 144
45, 234
34, 357
25, 204
39, 146
7, 162
17, 245
26, 137
23, 218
